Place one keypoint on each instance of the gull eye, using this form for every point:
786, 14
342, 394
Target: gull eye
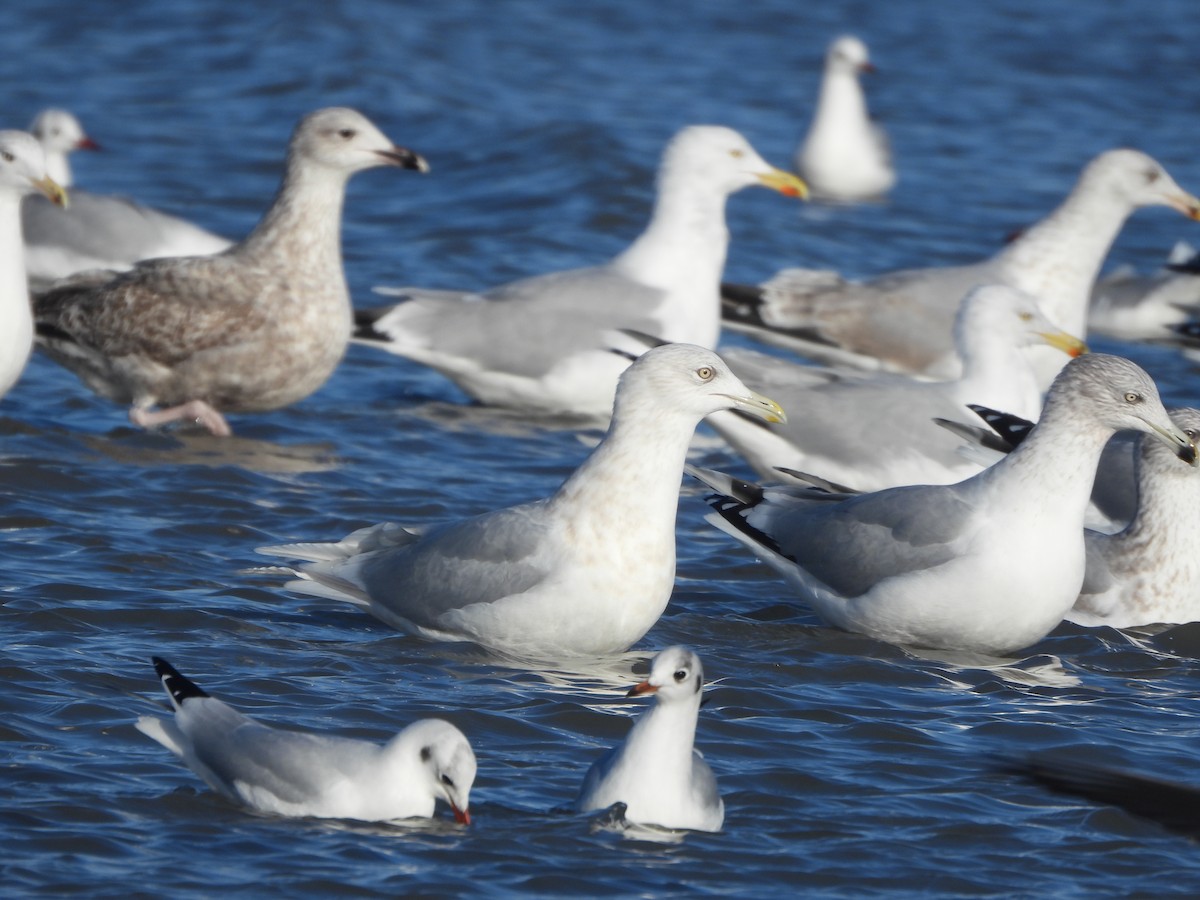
737, 154
1133, 397
680, 674
6, 156
1152, 175
346, 133
706, 373
448, 781
426, 754
1026, 316
1191, 433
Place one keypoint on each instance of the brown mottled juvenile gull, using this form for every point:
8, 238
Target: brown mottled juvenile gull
542, 343
22, 171
255, 328
902, 321
586, 571
989, 565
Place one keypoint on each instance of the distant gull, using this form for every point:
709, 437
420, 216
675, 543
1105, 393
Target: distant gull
299, 773
99, 231
838, 418
1134, 307
991, 564
845, 156
902, 321
252, 329
584, 572
542, 343
656, 772
22, 171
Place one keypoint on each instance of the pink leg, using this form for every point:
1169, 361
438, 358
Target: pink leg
196, 410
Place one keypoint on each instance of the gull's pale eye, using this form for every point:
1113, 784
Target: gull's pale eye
680, 674
1026, 316
737, 154
706, 373
1133, 397
1191, 433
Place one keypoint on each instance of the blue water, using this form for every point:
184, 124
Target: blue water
849, 767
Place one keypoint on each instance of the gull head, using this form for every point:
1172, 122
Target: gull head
1158, 454
446, 762
720, 159
1119, 395
1135, 179
997, 312
690, 381
59, 131
23, 167
675, 674
847, 54
345, 140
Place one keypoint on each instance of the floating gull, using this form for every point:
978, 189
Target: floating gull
252, 329
845, 156
902, 321
22, 171
542, 343
991, 564
1133, 307
98, 231
586, 571
656, 772
837, 416
298, 773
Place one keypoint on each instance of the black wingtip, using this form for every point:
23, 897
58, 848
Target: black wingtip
1011, 428
1190, 266
175, 684
364, 323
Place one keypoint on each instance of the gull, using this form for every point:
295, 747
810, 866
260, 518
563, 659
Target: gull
299, 773
991, 564
99, 231
835, 414
542, 343
656, 772
902, 321
584, 572
845, 156
1133, 307
255, 328
22, 171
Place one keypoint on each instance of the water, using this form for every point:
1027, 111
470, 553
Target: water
848, 766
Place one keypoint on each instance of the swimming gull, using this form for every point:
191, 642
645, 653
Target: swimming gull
901, 321
656, 771
586, 571
837, 416
99, 231
255, 328
22, 171
1134, 307
845, 156
990, 564
542, 343
299, 773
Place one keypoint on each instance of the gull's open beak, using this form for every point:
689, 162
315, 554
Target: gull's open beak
785, 182
53, 190
1185, 203
1177, 441
759, 406
405, 159
1067, 343
642, 687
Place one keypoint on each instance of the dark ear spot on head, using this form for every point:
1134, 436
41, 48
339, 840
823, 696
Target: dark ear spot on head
698, 685
426, 754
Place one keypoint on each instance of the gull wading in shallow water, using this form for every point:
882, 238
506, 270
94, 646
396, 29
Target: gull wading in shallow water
656, 772
542, 343
99, 231
991, 564
298, 773
584, 572
255, 328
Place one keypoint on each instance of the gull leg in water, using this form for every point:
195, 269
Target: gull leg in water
195, 410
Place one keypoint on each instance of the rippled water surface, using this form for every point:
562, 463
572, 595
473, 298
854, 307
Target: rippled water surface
848, 766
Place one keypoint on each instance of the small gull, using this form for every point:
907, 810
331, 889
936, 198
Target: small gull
255, 328
656, 771
22, 171
298, 773
584, 572
902, 321
542, 343
845, 156
1133, 307
837, 416
991, 564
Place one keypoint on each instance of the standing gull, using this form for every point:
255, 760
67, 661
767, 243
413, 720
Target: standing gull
586, 571
255, 328
991, 564
656, 771
298, 773
99, 231
845, 156
542, 343
902, 321
836, 415
22, 171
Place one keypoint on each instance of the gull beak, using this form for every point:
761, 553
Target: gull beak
86, 143
1067, 343
868, 68
785, 182
404, 158
1177, 441
1185, 203
759, 406
642, 687
52, 189
461, 816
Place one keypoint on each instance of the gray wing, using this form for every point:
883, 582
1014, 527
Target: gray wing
704, 783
